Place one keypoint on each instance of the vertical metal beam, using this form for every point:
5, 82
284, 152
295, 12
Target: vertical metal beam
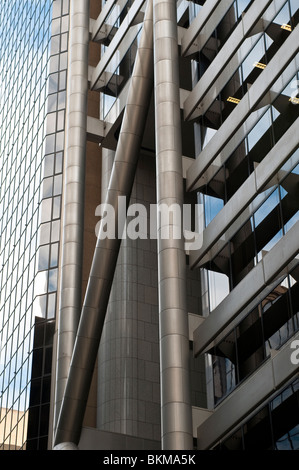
176, 412
107, 249
70, 302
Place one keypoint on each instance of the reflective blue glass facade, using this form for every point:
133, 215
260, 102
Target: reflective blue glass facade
33, 63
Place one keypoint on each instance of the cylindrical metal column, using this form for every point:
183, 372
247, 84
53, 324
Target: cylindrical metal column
176, 415
106, 251
70, 301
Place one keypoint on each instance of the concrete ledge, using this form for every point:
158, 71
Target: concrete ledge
256, 182
234, 42
248, 103
194, 321
212, 93
199, 415
199, 22
255, 281
230, 128
95, 129
124, 27
248, 396
99, 22
255, 301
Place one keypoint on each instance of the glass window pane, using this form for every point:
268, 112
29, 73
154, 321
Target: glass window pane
56, 207
289, 189
283, 16
268, 226
54, 255
277, 321
44, 233
48, 165
224, 376
47, 187
218, 288
51, 305
39, 306
52, 280
43, 257
250, 343
58, 162
257, 431
46, 209
212, 205
259, 130
254, 60
286, 436
40, 283
57, 185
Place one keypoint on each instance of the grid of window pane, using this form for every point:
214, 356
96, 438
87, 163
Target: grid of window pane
32, 69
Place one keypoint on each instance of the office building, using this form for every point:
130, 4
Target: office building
176, 326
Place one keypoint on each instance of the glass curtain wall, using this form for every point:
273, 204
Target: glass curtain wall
33, 67
273, 212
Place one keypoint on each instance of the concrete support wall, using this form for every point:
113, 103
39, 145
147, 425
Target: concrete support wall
128, 360
272, 375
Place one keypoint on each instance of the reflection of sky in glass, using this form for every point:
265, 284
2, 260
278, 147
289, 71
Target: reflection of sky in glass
242, 4
24, 38
296, 169
259, 130
267, 207
10, 391
218, 288
208, 134
283, 16
254, 56
291, 222
212, 206
289, 441
290, 88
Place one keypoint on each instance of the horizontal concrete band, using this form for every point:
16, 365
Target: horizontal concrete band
256, 182
233, 43
204, 24
211, 94
248, 103
244, 217
289, 269
99, 22
95, 129
272, 375
123, 29
250, 286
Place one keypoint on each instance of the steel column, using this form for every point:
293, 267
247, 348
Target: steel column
176, 415
70, 301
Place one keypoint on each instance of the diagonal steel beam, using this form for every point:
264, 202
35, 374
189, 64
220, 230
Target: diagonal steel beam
106, 251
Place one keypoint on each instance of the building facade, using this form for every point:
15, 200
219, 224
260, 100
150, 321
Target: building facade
149, 221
